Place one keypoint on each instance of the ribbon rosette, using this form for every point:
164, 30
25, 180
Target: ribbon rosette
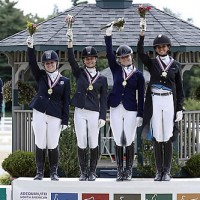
143, 10
118, 24
69, 20
32, 28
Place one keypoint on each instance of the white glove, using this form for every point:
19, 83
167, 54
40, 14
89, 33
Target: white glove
109, 30
179, 116
69, 35
139, 121
63, 127
143, 24
101, 123
29, 42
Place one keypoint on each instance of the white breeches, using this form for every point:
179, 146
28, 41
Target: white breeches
122, 120
86, 127
163, 117
46, 129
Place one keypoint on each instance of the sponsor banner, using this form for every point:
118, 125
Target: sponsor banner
158, 196
95, 196
2, 193
104, 189
189, 196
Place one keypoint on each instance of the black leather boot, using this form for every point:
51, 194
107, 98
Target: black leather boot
167, 160
83, 163
94, 155
53, 161
40, 160
119, 158
158, 153
129, 162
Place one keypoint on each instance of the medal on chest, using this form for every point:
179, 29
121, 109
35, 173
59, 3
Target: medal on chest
164, 74
91, 81
124, 83
50, 91
125, 77
52, 84
90, 87
164, 69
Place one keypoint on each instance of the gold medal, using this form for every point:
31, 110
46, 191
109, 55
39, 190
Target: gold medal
90, 87
124, 83
50, 91
164, 74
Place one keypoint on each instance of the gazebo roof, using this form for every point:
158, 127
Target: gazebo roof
86, 29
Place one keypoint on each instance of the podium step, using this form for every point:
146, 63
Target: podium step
106, 189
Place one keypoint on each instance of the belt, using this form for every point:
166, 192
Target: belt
162, 94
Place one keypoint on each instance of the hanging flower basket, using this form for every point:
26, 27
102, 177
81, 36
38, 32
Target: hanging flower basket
25, 92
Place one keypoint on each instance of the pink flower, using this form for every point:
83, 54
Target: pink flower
69, 20
143, 10
32, 28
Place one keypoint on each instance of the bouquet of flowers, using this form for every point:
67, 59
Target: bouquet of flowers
31, 27
70, 20
143, 10
118, 24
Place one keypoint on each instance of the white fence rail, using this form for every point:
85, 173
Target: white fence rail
188, 143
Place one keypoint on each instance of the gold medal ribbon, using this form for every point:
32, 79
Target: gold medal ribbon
164, 70
91, 82
52, 83
125, 77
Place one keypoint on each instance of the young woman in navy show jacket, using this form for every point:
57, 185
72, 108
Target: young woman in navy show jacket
90, 102
50, 108
164, 100
126, 102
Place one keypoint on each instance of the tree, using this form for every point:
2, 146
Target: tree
177, 15
11, 19
76, 2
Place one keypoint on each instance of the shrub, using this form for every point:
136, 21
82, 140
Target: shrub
25, 92
192, 104
20, 164
5, 179
148, 168
192, 165
68, 151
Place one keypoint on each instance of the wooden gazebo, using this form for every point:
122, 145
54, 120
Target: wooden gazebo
86, 28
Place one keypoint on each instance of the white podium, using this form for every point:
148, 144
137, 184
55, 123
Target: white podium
106, 189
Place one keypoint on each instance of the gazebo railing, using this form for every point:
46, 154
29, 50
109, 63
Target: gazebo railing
189, 138
188, 141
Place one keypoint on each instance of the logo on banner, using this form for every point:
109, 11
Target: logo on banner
2, 193
88, 196
127, 196
158, 197
191, 196
64, 196
33, 195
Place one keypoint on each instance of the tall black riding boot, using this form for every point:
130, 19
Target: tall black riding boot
129, 162
167, 160
119, 158
158, 153
53, 161
94, 155
40, 160
83, 163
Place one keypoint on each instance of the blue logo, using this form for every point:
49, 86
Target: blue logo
64, 196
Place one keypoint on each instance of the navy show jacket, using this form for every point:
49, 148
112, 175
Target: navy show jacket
55, 104
132, 95
94, 100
